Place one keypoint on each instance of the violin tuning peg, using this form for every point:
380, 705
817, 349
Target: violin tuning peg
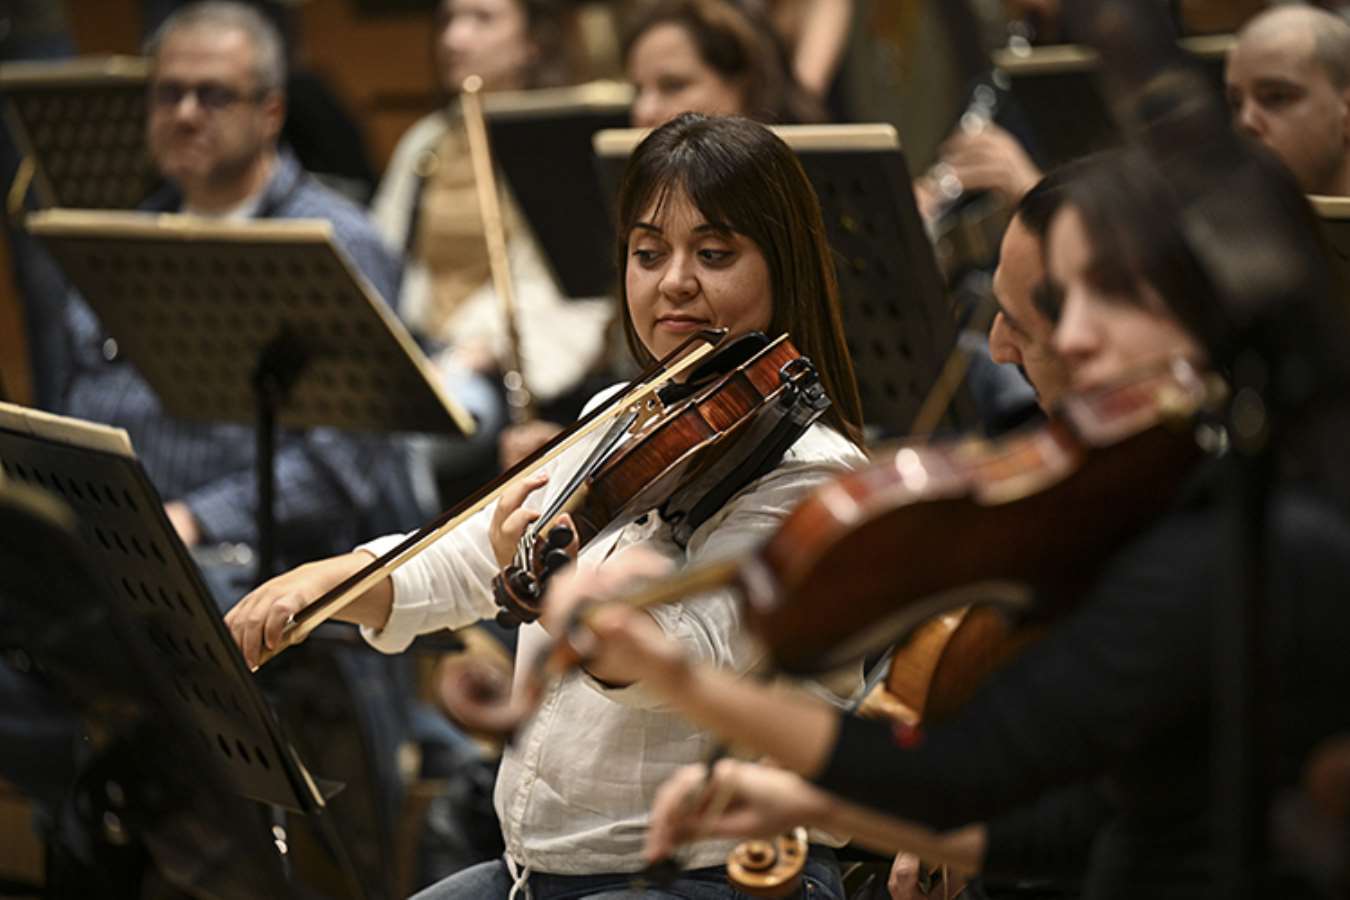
523, 584
555, 560
508, 619
559, 536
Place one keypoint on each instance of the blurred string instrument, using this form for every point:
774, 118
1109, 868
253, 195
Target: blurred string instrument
519, 400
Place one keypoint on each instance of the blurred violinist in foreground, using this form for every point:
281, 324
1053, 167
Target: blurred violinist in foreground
1088, 757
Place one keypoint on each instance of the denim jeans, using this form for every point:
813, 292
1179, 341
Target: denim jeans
492, 881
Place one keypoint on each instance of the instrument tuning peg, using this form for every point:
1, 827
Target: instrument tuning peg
555, 560
559, 537
523, 584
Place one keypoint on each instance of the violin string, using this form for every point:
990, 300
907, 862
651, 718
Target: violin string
596, 458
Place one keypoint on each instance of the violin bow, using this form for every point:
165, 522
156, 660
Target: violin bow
519, 400
939, 398
672, 365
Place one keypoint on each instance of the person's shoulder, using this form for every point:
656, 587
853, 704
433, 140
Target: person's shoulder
421, 136
426, 130
314, 199
601, 397
352, 224
823, 444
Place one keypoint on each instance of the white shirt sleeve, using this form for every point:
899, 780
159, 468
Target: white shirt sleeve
449, 585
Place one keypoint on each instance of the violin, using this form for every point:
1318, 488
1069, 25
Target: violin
1030, 502
674, 364
684, 458
769, 868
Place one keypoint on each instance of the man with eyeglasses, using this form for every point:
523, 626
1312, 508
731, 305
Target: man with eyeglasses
216, 106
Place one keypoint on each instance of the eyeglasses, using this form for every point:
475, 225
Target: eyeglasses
211, 95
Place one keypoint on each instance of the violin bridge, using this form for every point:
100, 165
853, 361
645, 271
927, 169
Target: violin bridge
643, 412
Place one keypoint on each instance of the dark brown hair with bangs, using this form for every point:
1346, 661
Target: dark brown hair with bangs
742, 177
741, 47
1134, 226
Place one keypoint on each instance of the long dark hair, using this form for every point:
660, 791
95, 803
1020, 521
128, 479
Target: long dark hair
739, 46
1133, 224
740, 175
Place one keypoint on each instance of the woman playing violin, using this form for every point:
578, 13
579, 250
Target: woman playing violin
719, 229
1089, 756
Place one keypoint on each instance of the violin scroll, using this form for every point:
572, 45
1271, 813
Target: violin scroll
769, 868
519, 588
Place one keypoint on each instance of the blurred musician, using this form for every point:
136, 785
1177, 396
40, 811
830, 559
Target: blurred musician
1022, 334
1289, 88
427, 207
1117, 694
711, 57
215, 110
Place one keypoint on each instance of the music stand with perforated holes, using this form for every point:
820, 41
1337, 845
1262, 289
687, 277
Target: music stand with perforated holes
262, 321
81, 124
122, 618
898, 322
557, 190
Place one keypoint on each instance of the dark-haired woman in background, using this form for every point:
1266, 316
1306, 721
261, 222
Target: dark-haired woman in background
719, 227
427, 208
712, 57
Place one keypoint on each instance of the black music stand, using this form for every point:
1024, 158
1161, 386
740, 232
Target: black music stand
264, 321
81, 123
897, 319
1058, 90
541, 140
103, 596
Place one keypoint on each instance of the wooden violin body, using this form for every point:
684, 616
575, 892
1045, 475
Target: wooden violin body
934, 528
674, 457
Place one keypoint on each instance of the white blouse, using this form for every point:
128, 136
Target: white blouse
575, 788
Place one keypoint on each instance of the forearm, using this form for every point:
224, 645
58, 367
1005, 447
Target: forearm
821, 44
372, 607
796, 729
962, 849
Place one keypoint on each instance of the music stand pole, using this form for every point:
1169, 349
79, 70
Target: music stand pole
280, 364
